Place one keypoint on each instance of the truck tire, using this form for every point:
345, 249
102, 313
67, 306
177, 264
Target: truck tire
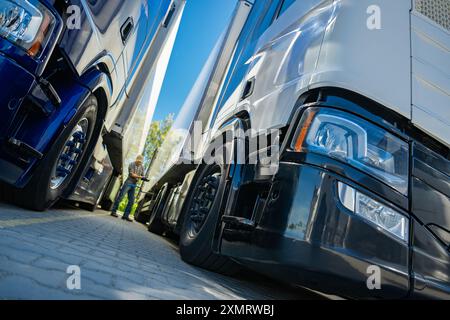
106, 204
155, 224
87, 206
139, 216
58, 167
201, 214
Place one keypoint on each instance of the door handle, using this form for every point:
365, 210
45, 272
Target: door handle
127, 29
169, 16
248, 89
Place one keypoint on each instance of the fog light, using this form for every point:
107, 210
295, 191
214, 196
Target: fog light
373, 211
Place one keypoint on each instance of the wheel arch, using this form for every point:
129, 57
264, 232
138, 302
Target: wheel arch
98, 82
239, 121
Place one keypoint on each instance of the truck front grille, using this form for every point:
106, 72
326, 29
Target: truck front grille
436, 10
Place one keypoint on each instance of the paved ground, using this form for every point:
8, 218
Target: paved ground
117, 260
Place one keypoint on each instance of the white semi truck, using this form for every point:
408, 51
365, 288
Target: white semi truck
358, 93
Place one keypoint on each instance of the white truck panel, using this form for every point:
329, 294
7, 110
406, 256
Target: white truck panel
372, 62
284, 62
329, 44
431, 77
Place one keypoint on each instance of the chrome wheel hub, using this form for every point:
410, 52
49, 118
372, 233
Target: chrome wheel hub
70, 155
203, 200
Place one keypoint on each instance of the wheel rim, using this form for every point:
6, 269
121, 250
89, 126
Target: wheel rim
203, 200
70, 155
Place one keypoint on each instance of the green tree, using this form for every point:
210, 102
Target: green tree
157, 133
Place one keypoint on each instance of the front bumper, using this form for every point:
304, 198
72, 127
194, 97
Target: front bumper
293, 227
21, 77
307, 237
303, 235
16, 85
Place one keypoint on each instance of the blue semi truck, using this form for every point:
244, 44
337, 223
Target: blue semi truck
76, 80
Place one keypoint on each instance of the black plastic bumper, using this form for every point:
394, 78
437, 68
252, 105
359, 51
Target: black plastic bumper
16, 84
305, 236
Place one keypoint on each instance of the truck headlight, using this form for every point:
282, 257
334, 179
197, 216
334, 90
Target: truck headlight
357, 142
373, 211
26, 23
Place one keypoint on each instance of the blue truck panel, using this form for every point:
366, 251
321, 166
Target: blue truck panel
81, 49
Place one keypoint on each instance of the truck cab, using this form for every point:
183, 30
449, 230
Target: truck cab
357, 95
73, 71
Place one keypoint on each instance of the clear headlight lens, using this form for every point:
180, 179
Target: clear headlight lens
26, 23
357, 142
377, 213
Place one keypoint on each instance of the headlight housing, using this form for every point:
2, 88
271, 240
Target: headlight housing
373, 211
357, 142
26, 23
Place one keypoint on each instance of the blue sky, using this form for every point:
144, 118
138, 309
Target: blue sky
202, 23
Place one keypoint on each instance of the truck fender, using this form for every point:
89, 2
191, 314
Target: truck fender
98, 83
236, 126
40, 132
233, 129
98, 78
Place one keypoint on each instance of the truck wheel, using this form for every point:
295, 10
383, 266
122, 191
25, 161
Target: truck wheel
155, 224
58, 167
202, 211
138, 215
87, 206
141, 218
106, 204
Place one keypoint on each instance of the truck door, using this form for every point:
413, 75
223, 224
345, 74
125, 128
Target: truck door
259, 20
244, 208
133, 30
97, 37
146, 18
